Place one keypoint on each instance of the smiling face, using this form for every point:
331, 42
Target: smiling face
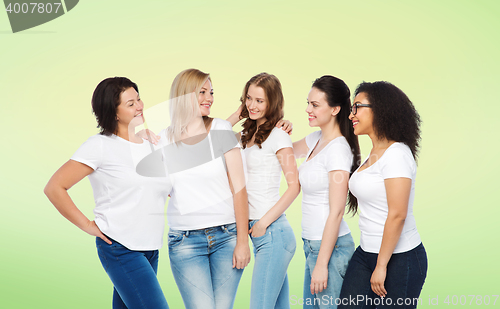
318, 110
206, 98
129, 112
256, 103
363, 120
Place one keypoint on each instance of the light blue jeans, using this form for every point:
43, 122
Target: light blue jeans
337, 266
202, 265
273, 252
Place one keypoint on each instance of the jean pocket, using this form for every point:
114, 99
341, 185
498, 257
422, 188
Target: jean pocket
175, 240
102, 257
230, 229
288, 239
421, 256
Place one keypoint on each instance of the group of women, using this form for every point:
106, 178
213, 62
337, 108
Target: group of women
224, 187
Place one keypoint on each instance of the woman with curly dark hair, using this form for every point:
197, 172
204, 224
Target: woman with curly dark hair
391, 261
268, 151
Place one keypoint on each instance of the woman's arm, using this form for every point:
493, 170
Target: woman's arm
398, 194
234, 163
289, 167
338, 187
57, 192
300, 148
235, 117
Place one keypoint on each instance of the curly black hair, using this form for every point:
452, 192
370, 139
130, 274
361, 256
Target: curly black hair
394, 116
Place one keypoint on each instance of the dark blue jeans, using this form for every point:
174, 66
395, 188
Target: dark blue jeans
406, 274
133, 274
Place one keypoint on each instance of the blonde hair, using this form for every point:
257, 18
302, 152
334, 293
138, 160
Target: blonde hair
184, 106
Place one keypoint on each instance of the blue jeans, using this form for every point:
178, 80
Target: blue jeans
405, 277
273, 252
202, 265
133, 274
337, 266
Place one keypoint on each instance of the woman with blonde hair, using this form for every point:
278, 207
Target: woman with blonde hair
208, 209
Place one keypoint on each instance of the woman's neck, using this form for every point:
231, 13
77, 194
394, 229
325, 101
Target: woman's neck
128, 134
380, 143
330, 131
195, 127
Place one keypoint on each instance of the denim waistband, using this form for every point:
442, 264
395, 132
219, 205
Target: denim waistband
252, 222
203, 231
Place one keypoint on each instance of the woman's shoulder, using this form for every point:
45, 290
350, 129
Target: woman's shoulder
398, 149
279, 133
221, 124
312, 138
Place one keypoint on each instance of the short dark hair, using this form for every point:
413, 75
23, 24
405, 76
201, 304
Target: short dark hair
394, 116
105, 101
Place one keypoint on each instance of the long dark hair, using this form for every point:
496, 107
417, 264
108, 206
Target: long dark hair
274, 111
338, 94
394, 116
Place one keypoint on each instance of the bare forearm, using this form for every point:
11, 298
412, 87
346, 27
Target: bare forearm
329, 238
392, 231
60, 198
241, 213
283, 203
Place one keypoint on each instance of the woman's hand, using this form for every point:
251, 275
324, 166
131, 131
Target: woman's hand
234, 118
285, 125
93, 229
241, 255
319, 279
258, 229
377, 281
149, 135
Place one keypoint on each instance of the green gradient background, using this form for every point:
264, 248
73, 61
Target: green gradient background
443, 54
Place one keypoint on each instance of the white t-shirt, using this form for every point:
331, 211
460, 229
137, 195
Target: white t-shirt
264, 173
128, 207
313, 176
369, 188
201, 196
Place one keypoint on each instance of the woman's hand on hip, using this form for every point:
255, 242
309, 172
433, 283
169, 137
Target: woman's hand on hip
93, 229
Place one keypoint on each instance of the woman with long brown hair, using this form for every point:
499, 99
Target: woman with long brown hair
268, 151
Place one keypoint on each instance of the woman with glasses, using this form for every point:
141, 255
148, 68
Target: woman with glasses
331, 156
391, 262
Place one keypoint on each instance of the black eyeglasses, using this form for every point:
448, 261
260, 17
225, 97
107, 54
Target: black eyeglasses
354, 107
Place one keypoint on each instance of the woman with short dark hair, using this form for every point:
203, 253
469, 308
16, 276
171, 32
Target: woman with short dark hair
129, 219
391, 261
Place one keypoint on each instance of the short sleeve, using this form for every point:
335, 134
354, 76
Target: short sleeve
339, 158
397, 162
223, 136
279, 139
90, 152
312, 139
